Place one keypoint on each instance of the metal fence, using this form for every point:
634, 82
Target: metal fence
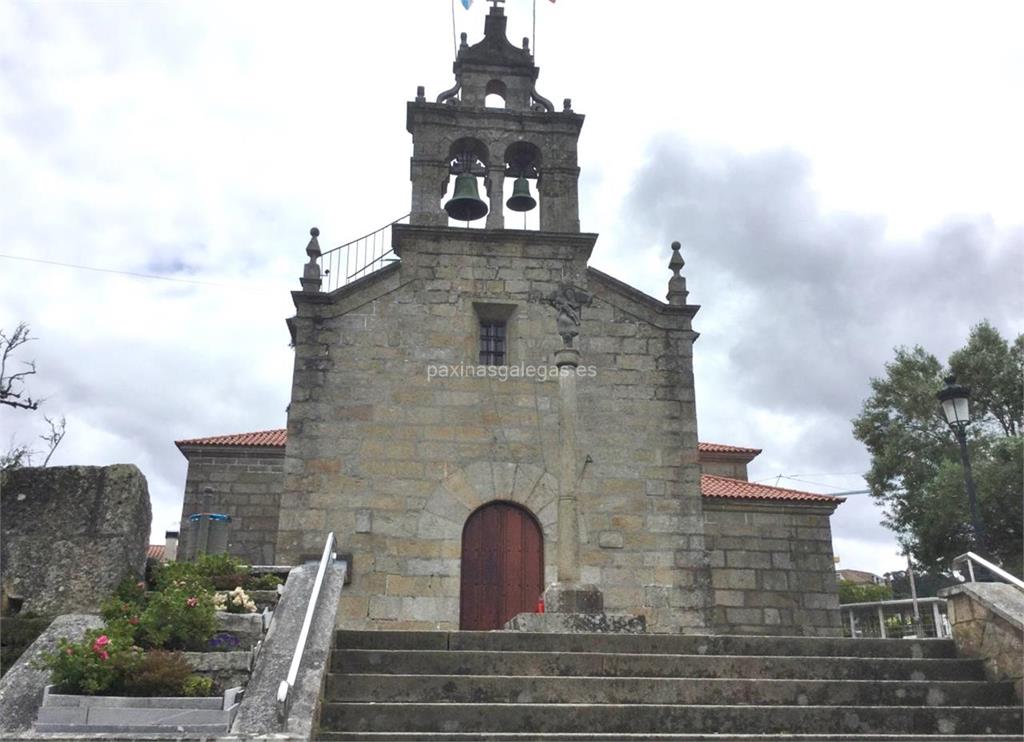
346, 263
894, 619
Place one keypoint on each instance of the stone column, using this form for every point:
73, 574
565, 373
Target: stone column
568, 595
567, 360
429, 178
495, 183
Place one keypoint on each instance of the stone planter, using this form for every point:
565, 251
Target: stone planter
129, 715
227, 669
247, 627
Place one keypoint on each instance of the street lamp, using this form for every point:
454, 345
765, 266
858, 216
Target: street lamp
956, 409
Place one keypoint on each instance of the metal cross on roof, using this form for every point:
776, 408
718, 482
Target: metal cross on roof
495, 3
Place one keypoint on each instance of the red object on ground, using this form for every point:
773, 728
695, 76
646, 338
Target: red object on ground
540, 605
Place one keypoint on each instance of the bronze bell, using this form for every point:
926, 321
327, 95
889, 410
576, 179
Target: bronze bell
465, 204
521, 199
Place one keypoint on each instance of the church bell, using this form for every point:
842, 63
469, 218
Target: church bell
465, 204
521, 199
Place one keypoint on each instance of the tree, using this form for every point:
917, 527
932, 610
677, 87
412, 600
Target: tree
12, 383
13, 394
916, 472
927, 584
855, 592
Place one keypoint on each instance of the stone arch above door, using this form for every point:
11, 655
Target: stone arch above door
466, 489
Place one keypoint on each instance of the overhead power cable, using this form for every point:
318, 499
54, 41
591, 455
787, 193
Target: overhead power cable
133, 274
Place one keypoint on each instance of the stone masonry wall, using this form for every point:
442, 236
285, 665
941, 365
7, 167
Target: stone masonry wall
987, 619
772, 568
244, 483
71, 533
395, 460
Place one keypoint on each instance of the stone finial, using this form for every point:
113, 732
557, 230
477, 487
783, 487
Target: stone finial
464, 39
567, 105
421, 94
677, 292
311, 271
526, 43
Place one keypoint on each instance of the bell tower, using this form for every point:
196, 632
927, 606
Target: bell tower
458, 141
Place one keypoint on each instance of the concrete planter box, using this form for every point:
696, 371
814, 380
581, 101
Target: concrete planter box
129, 715
247, 627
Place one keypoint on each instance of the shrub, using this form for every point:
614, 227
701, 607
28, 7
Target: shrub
197, 685
127, 602
160, 674
179, 617
263, 582
223, 571
181, 573
99, 664
852, 592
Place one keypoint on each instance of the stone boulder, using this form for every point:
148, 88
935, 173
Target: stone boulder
70, 534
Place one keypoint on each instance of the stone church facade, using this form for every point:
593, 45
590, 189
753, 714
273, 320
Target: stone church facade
429, 413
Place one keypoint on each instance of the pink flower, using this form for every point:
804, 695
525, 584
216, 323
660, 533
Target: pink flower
104, 656
192, 602
100, 643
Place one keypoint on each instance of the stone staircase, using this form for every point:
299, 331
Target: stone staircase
515, 686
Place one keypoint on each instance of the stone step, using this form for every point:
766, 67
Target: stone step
429, 662
378, 688
678, 737
646, 643
652, 718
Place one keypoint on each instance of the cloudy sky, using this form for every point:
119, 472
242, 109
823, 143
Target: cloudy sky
845, 178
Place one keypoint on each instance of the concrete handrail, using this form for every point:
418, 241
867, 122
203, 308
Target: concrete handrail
284, 689
970, 558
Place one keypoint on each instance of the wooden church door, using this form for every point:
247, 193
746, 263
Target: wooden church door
502, 566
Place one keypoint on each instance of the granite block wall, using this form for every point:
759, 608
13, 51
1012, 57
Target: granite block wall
772, 568
394, 457
245, 483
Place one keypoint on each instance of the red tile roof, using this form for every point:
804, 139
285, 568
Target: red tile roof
267, 438
710, 485
279, 437
724, 448
737, 489
155, 551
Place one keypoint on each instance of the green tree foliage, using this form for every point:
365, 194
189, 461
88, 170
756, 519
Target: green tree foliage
928, 584
856, 592
915, 461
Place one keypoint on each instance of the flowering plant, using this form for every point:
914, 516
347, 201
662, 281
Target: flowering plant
224, 642
236, 601
100, 663
181, 616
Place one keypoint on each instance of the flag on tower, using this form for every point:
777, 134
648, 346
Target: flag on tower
466, 4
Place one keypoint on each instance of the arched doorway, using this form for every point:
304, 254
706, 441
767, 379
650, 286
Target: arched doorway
502, 566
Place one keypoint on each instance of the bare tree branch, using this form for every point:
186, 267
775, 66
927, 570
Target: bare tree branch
12, 391
17, 456
55, 436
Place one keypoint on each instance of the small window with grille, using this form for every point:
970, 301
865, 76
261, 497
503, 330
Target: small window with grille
492, 343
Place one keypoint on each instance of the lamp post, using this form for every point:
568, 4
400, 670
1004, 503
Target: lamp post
956, 409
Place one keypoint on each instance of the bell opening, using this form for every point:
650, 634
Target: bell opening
514, 219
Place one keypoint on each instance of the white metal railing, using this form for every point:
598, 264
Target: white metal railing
284, 689
879, 618
970, 558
